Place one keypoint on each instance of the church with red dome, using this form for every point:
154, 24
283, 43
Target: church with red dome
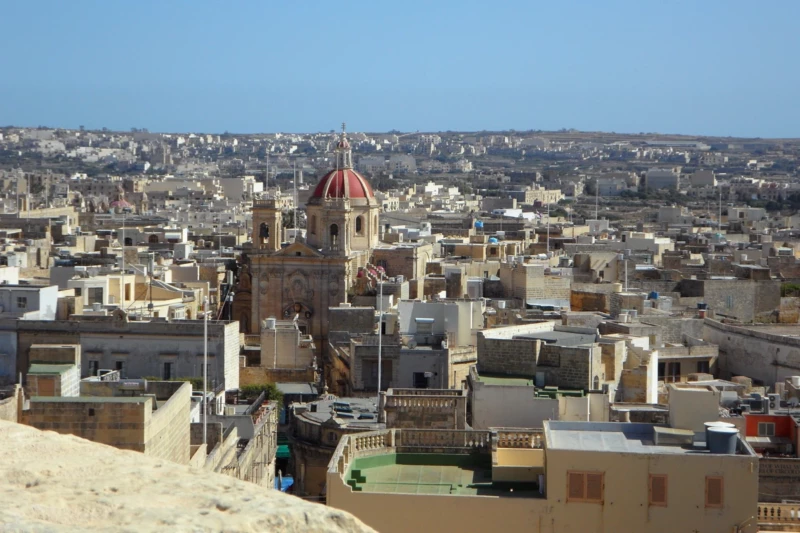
301, 280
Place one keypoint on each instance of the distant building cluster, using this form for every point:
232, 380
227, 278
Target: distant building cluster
533, 331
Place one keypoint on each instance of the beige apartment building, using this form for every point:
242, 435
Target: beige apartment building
570, 477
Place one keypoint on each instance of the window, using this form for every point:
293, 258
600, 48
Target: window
312, 227
200, 370
703, 367
120, 367
585, 487
94, 367
673, 372
420, 380
78, 291
22, 302
766, 429
95, 295
359, 225
714, 491
658, 490
167, 374
127, 291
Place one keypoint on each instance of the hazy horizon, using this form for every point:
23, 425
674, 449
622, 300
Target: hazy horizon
701, 69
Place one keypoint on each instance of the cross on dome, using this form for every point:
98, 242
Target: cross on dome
344, 154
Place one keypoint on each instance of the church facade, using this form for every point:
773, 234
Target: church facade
301, 280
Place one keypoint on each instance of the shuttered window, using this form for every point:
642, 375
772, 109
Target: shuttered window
658, 490
585, 487
576, 486
714, 491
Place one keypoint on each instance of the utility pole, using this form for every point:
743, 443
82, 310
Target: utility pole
380, 332
205, 370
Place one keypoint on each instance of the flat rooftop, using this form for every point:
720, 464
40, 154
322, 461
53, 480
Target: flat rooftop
432, 473
618, 438
560, 338
40, 368
518, 381
363, 412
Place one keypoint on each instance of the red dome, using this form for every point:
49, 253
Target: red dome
343, 183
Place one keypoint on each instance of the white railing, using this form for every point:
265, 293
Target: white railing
520, 438
778, 512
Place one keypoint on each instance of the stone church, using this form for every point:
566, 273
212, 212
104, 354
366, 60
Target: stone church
301, 280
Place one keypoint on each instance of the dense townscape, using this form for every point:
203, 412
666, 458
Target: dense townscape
540, 331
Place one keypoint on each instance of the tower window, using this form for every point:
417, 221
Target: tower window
359, 225
313, 225
263, 232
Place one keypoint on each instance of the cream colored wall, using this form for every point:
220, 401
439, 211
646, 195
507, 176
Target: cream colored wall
690, 408
520, 457
401, 513
626, 492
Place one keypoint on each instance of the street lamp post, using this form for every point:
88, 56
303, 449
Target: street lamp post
380, 332
205, 371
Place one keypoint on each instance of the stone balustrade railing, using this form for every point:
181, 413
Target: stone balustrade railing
778, 512
425, 402
450, 439
426, 392
412, 440
252, 340
520, 438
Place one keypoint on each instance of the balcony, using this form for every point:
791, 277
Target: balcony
444, 462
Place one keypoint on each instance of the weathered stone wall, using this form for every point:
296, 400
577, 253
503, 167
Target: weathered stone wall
778, 479
116, 423
764, 355
675, 330
507, 356
426, 411
166, 430
589, 301
570, 367
352, 319
258, 375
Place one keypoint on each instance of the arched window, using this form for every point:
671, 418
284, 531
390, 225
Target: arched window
596, 383
359, 225
128, 241
263, 232
335, 236
153, 239
312, 227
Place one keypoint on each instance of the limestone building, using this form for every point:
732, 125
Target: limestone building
303, 279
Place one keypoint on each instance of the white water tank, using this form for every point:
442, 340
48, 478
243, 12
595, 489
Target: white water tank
795, 382
270, 323
501, 304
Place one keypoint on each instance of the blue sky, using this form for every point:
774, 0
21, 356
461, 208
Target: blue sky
696, 67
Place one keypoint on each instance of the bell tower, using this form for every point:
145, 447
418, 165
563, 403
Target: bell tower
267, 225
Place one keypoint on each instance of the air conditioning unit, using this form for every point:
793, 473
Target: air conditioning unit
774, 401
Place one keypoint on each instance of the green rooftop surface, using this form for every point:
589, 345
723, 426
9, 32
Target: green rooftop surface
48, 369
442, 474
517, 381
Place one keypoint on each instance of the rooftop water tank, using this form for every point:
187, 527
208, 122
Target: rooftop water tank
270, 323
722, 440
716, 424
493, 240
